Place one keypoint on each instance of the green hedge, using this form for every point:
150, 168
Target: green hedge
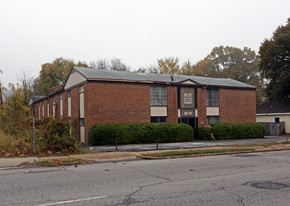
105, 133
204, 133
233, 131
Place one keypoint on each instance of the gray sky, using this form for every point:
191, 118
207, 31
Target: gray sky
34, 32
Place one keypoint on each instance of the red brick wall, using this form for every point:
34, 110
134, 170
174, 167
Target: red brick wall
64, 102
36, 110
45, 108
116, 103
172, 110
237, 105
57, 105
75, 111
201, 104
50, 105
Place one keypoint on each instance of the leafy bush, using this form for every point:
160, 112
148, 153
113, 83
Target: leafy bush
16, 130
126, 133
204, 133
54, 135
233, 131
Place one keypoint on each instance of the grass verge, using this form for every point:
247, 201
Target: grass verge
196, 152
61, 161
86, 151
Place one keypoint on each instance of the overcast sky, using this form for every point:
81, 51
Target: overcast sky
34, 32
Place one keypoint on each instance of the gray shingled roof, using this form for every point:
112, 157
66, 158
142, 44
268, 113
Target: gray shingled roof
274, 107
166, 78
35, 99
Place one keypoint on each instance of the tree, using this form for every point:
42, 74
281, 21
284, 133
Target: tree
100, 64
54, 74
274, 64
117, 65
36, 86
1, 98
234, 63
26, 87
113, 64
169, 65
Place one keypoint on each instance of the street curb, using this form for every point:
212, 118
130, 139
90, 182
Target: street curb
203, 155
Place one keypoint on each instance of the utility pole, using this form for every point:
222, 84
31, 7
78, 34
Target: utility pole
33, 112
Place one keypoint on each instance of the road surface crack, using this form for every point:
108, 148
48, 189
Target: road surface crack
240, 199
128, 200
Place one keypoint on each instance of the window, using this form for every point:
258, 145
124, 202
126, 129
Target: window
47, 107
53, 106
158, 119
81, 89
158, 96
212, 119
43, 109
277, 119
212, 97
82, 122
60, 105
68, 104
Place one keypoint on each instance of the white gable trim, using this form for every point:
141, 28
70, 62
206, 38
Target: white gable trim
74, 78
188, 82
270, 114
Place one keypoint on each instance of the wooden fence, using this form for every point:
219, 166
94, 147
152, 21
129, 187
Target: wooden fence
274, 128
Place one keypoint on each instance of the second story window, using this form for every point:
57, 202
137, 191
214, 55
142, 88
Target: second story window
212, 98
158, 96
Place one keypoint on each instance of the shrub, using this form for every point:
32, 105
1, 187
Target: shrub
234, 131
126, 133
54, 135
222, 131
204, 133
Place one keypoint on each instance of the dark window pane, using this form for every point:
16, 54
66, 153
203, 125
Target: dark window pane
277, 119
158, 96
212, 119
82, 122
162, 119
154, 119
212, 97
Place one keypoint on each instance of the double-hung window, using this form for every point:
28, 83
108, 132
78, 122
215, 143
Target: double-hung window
158, 96
212, 119
212, 98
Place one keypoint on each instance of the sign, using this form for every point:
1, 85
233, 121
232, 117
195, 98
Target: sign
187, 113
187, 98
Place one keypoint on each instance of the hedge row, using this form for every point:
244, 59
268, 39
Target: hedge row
106, 133
233, 131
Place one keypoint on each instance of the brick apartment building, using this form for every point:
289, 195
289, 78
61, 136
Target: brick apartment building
91, 96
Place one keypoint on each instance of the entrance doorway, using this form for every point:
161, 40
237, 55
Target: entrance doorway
193, 122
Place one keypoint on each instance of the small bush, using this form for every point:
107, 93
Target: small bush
126, 133
204, 133
234, 131
54, 135
222, 131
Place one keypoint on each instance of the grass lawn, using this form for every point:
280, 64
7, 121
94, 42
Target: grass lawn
196, 152
61, 161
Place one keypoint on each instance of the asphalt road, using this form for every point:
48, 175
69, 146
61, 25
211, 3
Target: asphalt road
187, 145
241, 179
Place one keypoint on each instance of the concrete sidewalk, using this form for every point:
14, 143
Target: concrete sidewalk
13, 162
135, 154
187, 145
